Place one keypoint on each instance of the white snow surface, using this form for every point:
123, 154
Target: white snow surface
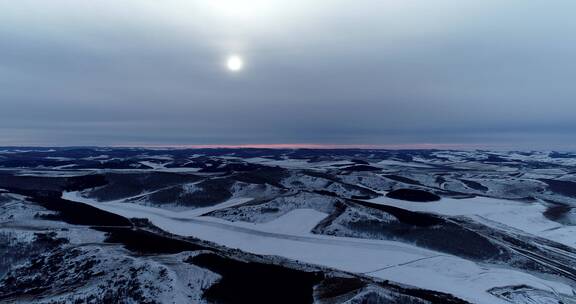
296, 222
391, 162
524, 216
289, 236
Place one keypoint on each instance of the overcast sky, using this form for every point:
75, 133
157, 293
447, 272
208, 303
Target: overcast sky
374, 72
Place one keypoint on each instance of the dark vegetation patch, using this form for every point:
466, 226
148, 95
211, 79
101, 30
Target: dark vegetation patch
79, 158
404, 156
544, 256
73, 212
80, 214
263, 175
495, 159
454, 194
210, 192
77, 153
326, 192
474, 185
426, 295
74, 183
21, 282
31, 182
561, 155
63, 271
13, 251
119, 229
112, 164
561, 187
322, 175
361, 168
142, 241
252, 282
402, 179
335, 286
122, 185
341, 165
439, 180
269, 210
365, 192
425, 230
413, 195
33, 163
184, 163
558, 213
201, 162
510, 294
361, 197
232, 167
79, 183
339, 208
412, 218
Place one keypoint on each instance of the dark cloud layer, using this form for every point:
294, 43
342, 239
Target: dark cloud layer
340, 72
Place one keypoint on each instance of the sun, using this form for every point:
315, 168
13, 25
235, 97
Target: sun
234, 63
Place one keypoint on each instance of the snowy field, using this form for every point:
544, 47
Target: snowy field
502, 230
289, 236
524, 216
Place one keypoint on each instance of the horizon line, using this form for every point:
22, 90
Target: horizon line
420, 146
412, 146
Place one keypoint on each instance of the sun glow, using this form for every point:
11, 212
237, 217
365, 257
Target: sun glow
234, 63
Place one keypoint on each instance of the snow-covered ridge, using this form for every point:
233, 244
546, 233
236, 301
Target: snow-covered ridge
502, 231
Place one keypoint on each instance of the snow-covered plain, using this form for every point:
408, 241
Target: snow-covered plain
525, 216
512, 198
289, 236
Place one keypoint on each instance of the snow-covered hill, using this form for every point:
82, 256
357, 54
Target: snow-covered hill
177, 226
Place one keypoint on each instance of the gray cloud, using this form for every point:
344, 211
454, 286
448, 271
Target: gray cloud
341, 72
